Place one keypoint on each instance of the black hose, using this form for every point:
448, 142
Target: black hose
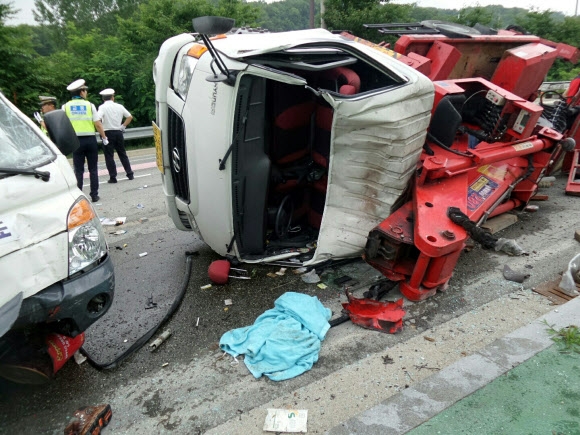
141, 341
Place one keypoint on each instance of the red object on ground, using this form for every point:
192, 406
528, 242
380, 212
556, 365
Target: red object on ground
371, 314
219, 271
89, 420
573, 185
61, 348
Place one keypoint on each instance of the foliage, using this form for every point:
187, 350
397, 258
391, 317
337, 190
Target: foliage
113, 43
568, 338
22, 73
351, 15
287, 15
476, 15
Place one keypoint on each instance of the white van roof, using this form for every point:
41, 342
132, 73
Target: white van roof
251, 44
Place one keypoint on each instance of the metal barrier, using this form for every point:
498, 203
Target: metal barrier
134, 133
554, 86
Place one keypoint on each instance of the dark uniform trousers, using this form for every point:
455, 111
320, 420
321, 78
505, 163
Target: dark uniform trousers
88, 150
116, 143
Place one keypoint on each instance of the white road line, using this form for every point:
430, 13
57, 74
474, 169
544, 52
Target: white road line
126, 179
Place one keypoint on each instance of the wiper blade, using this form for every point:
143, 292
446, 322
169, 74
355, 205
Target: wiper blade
43, 175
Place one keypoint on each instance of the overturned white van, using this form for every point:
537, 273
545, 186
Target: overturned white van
278, 145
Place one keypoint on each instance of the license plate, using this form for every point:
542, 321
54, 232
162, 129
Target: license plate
158, 149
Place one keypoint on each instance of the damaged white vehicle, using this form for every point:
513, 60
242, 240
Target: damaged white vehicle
278, 145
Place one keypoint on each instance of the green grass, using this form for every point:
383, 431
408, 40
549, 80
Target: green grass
567, 338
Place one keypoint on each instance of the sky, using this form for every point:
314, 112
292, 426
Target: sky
568, 7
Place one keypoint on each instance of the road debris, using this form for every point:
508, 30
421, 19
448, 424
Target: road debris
205, 287
219, 272
79, 357
142, 254
321, 286
570, 277
299, 270
371, 314
150, 304
431, 339
164, 364
281, 272
512, 275
89, 420
388, 360
532, 208
113, 222
510, 247
286, 420
159, 340
140, 206
311, 277
342, 280
267, 347
197, 323
118, 233
228, 302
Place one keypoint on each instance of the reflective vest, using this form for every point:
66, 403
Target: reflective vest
80, 113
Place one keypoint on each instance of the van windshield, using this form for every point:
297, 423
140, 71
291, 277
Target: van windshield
20, 145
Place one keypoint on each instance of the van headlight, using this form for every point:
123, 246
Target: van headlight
182, 79
86, 240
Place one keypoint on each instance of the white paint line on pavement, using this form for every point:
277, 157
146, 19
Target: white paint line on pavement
126, 179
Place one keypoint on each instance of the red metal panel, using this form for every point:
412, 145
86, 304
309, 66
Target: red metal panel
443, 57
523, 69
573, 186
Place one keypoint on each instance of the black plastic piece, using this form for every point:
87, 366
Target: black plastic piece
250, 167
213, 25
61, 131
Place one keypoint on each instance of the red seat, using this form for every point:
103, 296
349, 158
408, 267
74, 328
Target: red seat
293, 108
347, 82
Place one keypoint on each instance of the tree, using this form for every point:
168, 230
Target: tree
352, 14
474, 15
286, 15
22, 74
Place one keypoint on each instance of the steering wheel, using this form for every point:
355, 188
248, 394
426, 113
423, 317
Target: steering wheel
284, 217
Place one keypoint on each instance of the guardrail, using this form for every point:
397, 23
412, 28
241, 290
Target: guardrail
134, 133
554, 86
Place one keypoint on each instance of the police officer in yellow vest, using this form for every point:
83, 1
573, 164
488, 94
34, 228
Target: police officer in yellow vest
84, 119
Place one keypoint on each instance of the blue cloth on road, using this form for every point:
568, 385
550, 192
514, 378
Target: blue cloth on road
283, 342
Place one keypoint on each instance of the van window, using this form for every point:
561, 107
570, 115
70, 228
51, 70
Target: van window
20, 146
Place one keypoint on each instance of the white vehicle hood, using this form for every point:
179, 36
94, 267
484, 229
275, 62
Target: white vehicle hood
33, 226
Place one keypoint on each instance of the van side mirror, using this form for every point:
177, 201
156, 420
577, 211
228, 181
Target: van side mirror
213, 25
61, 131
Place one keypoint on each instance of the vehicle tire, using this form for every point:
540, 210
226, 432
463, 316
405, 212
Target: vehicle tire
451, 30
61, 131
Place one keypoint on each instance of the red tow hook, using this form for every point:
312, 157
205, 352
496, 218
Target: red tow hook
371, 314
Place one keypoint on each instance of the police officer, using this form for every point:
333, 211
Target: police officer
47, 104
112, 114
84, 119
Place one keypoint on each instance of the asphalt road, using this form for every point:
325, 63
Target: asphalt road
188, 386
